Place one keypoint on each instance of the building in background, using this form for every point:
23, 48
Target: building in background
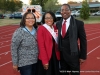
93, 0
94, 6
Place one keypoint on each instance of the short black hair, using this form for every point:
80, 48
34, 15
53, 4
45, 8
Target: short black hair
51, 13
67, 5
22, 23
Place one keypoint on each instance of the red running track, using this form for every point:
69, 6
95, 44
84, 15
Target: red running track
90, 67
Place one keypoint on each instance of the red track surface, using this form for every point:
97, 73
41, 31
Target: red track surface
90, 67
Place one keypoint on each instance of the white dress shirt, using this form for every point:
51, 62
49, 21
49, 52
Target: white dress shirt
67, 24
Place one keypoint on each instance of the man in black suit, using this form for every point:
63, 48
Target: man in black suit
70, 30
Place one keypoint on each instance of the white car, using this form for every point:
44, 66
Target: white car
96, 13
58, 15
75, 13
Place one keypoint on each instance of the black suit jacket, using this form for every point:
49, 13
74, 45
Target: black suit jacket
81, 35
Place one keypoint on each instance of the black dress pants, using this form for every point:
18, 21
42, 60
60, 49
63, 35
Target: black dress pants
69, 67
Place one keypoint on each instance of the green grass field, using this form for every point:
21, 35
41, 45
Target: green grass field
7, 21
91, 20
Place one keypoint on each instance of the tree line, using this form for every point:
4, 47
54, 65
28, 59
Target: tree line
10, 5
54, 6
15, 5
47, 5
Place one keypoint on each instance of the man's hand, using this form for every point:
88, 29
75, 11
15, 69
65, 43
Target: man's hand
82, 61
46, 66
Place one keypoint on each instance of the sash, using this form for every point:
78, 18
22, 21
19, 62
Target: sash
54, 35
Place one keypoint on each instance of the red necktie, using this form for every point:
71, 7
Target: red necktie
64, 29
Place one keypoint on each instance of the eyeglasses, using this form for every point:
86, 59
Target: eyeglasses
31, 10
48, 18
65, 10
30, 18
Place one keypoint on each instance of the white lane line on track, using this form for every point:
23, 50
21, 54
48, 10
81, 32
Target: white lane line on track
11, 34
5, 63
93, 50
7, 34
10, 27
5, 38
87, 54
4, 46
4, 53
8, 31
92, 30
93, 38
92, 33
2, 43
87, 40
5, 41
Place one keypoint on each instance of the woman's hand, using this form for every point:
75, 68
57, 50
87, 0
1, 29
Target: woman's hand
15, 67
46, 66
